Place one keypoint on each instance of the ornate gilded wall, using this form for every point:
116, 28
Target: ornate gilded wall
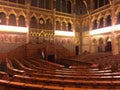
42, 18
103, 18
40, 21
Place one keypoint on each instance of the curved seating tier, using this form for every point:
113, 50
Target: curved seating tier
36, 74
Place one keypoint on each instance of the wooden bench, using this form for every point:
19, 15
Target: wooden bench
4, 75
69, 82
11, 70
22, 67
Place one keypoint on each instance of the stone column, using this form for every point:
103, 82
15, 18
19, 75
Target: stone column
17, 21
61, 26
7, 20
90, 28
98, 23
54, 22
27, 19
113, 36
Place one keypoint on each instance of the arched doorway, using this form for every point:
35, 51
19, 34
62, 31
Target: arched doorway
77, 50
94, 46
100, 46
108, 47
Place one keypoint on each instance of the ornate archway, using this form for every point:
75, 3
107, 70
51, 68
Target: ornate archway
100, 45
94, 45
108, 46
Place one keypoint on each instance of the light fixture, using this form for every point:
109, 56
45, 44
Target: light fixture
6, 28
41, 21
64, 33
101, 30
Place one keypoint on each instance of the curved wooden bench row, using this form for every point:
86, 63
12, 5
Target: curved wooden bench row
50, 64
81, 73
55, 65
70, 83
22, 67
32, 66
45, 70
4, 75
13, 71
40, 63
79, 77
92, 58
69, 72
10, 85
29, 68
89, 80
78, 67
37, 65
75, 62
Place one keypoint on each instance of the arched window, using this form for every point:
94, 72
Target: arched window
41, 3
94, 41
95, 4
33, 23
21, 21
48, 4
58, 5
2, 18
21, 1
80, 7
95, 24
63, 5
101, 3
57, 25
100, 46
108, 20
34, 3
12, 20
48, 24
77, 7
106, 1
100, 41
118, 18
63, 26
68, 7
101, 23
41, 23
84, 9
69, 27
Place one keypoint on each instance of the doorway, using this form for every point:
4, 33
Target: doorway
51, 58
108, 47
77, 50
101, 45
